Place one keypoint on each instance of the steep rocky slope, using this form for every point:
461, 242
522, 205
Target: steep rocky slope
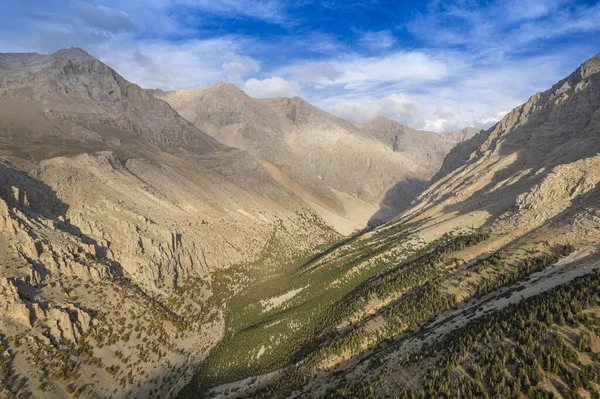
119, 219
541, 145
486, 286
424, 150
346, 172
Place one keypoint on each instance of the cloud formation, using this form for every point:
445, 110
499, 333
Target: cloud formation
377, 40
271, 87
355, 70
394, 106
104, 18
238, 67
446, 111
160, 64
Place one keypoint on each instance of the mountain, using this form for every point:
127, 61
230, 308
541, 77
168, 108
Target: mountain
487, 286
548, 143
462, 135
425, 152
186, 247
346, 172
71, 100
123, 228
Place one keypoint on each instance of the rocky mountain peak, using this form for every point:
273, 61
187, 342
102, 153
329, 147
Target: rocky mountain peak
85, 99
462, 135
228, 87
386, 123
590, 67
73, 53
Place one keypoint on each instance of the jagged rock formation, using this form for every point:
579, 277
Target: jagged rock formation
344, 171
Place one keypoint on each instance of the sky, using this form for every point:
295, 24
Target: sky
431, 65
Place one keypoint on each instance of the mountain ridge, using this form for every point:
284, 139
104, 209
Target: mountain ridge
156, 250
314, 152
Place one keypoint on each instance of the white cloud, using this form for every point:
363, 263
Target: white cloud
584, 21
447, 126
394, 106
518, 10
239, 67
319, 72
354, 69
165, 65
271, 87
523, 22
104, 18
488, 121
446, 111
436, 125
377, 40
443, 125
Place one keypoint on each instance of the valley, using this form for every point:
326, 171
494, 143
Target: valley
203, 243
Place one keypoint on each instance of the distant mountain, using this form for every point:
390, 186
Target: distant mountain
462, 135
346, 171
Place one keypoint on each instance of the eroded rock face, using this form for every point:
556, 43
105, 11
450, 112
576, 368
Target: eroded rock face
12, 308
558, 191
68, 323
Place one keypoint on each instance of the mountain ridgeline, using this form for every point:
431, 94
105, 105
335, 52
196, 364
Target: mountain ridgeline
348, 172
202, 243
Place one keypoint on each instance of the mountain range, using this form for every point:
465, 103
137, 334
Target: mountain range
204, 243
344, 171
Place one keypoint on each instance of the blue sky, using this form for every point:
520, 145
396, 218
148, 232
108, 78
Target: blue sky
434, 65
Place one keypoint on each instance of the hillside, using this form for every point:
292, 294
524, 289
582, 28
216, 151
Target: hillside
118, 221
486, 286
